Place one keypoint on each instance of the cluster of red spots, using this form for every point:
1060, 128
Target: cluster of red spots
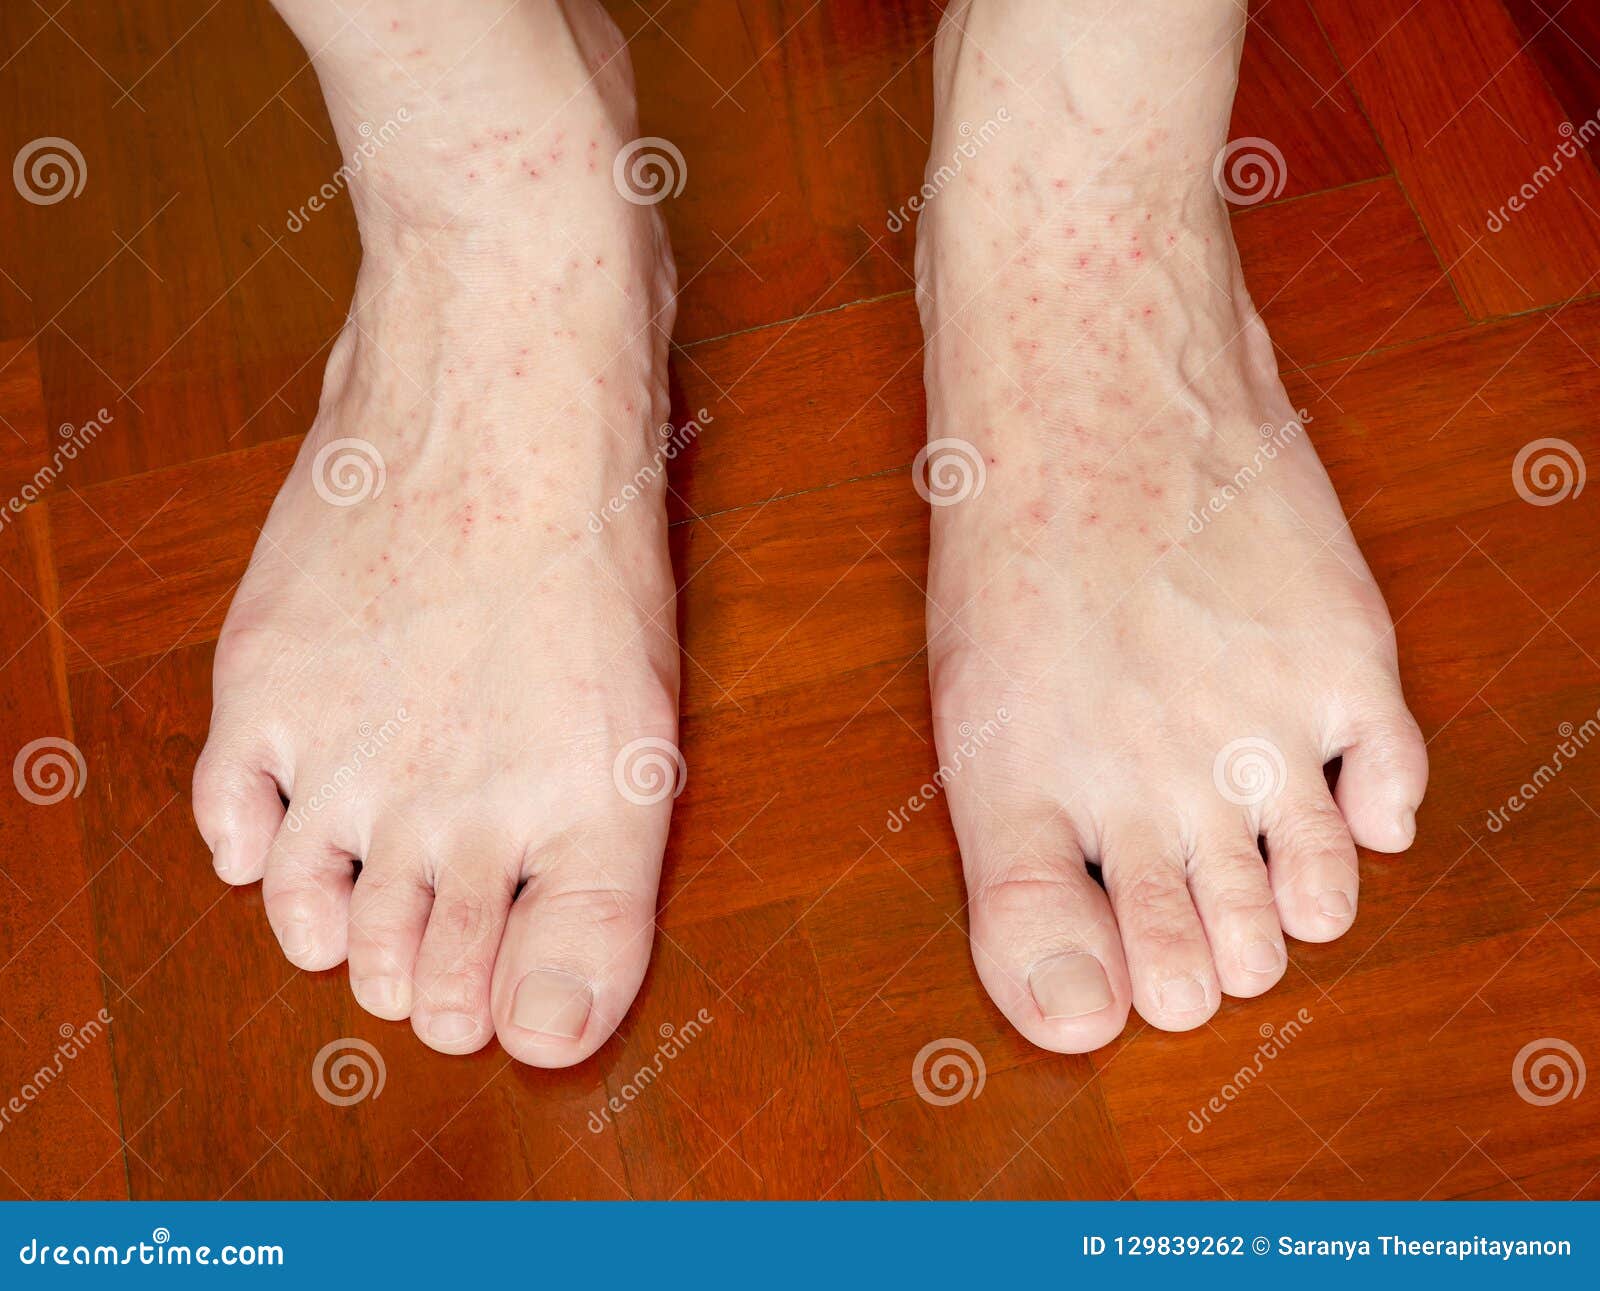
1152, 490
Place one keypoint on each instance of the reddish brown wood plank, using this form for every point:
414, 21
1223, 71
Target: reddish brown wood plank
1467, 123
62, 1133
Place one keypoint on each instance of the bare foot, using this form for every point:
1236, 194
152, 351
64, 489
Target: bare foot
452, 674
1145, 573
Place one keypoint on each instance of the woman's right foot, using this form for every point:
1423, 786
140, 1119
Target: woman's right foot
450, 654
1149, 624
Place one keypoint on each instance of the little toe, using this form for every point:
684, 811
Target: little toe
236, 805
1382, 777
306, 888
1228, 881
574, 954
1045, 943
388, 916
455, 964
1174, 980
1311, 862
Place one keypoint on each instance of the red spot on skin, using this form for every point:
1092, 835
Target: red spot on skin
516, 372
1092, 518
1144, 528
1172, 240
1072, 231
1083, 262
1112, 218
1060, 183
472, 174
1039, 512
1147, 311
1152, 490
1136, 255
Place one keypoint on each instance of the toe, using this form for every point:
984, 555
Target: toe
1382, 778
574, 954
236, 804
1311, 862
455, 964
306, 887
1045, 943
1169, 961
1229, 884
388, 916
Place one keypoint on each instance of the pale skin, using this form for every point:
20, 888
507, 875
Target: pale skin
1090, 341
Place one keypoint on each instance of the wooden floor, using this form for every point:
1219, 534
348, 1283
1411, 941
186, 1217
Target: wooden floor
166, 302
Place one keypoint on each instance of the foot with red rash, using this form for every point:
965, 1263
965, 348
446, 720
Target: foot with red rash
1140, 577
445, 693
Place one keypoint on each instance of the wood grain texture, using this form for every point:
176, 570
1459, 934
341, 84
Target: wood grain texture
810, 958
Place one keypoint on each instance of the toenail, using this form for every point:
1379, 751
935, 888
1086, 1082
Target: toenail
1070, 986
297, 940
1183, 995
553, 1002
1408, 827
1262, 956
377, 994
1335, 905
452, 1028
225, 859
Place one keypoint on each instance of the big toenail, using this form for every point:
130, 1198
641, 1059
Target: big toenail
377, 994
297, 940
452, 1028
1070, 986
1334, 904
1183, 995
1262, 956
553, 1002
